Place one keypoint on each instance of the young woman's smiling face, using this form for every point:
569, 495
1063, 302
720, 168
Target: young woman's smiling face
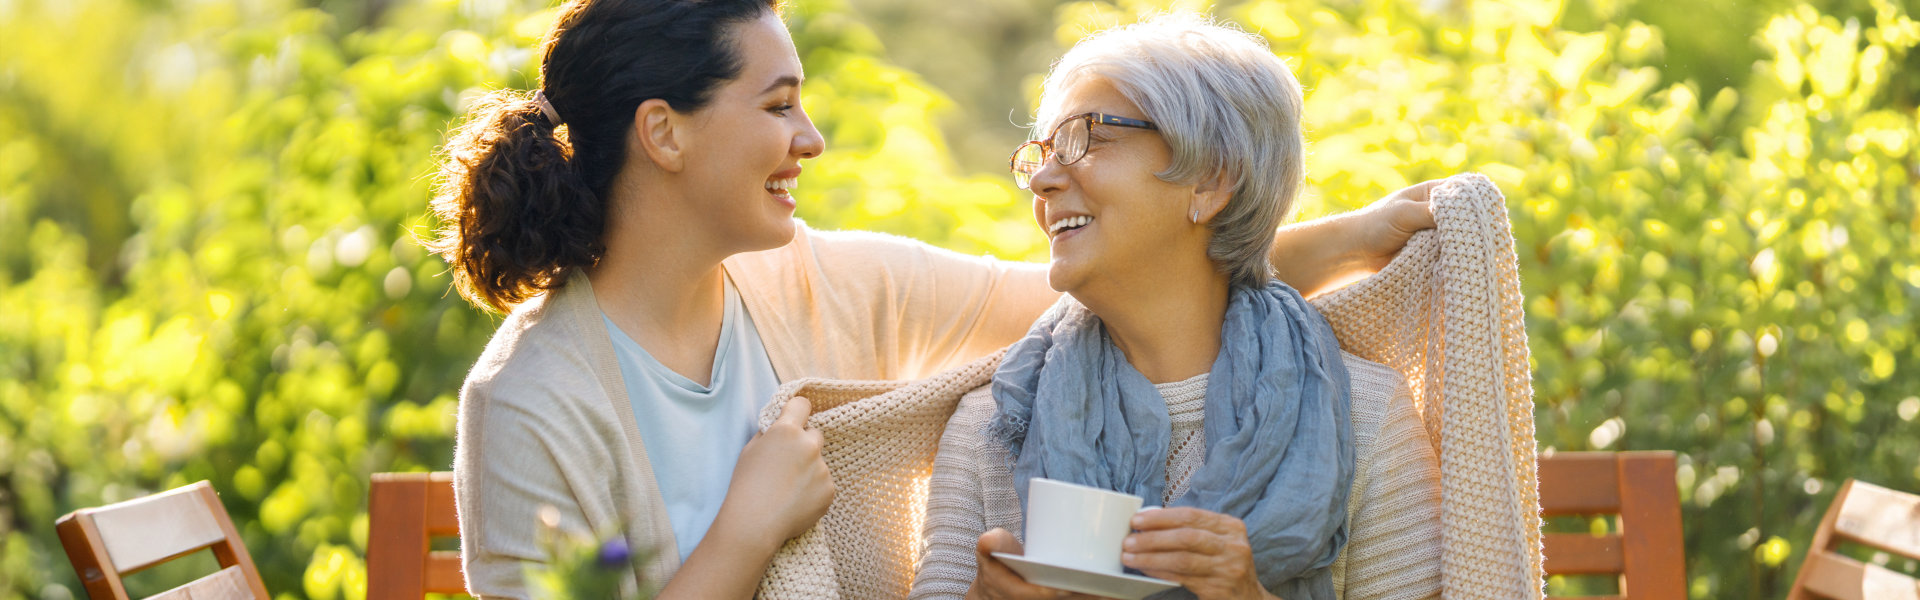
747, 142
1137, 225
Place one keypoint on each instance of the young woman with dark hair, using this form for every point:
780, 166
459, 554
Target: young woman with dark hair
633, 219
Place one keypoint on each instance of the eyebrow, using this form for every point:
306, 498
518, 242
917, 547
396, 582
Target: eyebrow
783, 81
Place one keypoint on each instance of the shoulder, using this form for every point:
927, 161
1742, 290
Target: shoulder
1392, 446
964, 442
1371, 378
975, 409
1376, 388
1381, 406
535, 365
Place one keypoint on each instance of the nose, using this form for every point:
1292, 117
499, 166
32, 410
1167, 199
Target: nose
1050, 180
808, 143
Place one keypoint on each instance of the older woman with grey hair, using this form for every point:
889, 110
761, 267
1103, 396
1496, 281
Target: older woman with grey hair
1177, 368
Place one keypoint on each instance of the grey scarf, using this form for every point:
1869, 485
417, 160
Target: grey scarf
1279, 450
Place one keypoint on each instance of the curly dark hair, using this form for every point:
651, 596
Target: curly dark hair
522, 200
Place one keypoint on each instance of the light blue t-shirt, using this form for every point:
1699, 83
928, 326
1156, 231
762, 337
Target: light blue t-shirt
694, 433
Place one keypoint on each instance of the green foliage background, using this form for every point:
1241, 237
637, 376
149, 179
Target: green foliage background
208, 267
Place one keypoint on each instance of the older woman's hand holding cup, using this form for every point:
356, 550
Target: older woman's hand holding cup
1204, 551
1068, 525
997, 582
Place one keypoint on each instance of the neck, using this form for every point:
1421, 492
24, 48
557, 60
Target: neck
1168, 327
660, 281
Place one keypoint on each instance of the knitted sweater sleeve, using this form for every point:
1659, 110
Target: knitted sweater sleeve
1394, 515
971, 491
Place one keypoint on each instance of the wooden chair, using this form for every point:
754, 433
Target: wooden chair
112, 541
408, 510
1647, 554
1868, 515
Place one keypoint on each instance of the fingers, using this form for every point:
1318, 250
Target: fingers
999, 540
1176, 566
1188, 517
795, 413
1420, 192
1185, 543
1417, 212
1413, 216
1164, 518
996, 580
1176, 540
1188, 555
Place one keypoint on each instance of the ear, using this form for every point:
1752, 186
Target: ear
1209, 198
658, 132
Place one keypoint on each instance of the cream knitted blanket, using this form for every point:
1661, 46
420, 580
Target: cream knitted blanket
1447, 313
880, 441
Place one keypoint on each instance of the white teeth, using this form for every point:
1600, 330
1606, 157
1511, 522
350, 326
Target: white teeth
1068, 223
781, 185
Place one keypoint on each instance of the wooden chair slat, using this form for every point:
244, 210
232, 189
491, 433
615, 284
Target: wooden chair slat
1822, 542
1583, 554
1884, 584
155, 529
1651, 537
81, 539
443, 517
227, 584
1882, 518
1638, 486
443, 573
408, 510
1579, 483
1872, 516
1830, 575
147, 531
397, 537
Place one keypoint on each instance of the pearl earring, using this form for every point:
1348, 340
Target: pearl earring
1196, 216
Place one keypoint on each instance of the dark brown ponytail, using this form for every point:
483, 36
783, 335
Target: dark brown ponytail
521, 199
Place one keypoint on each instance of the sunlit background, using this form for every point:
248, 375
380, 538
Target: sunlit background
208, 267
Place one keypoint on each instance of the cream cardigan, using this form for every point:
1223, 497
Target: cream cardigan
544, 418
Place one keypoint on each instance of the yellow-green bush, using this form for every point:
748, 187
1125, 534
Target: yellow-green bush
207, 268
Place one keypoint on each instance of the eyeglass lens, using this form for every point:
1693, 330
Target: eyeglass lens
1070, 141
1069, 145
1026, 161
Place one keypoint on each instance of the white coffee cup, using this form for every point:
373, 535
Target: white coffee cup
1077, 526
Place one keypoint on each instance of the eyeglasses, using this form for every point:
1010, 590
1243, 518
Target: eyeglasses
1067, 144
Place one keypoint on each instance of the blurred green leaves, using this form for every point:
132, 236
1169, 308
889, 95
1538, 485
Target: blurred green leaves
208, 267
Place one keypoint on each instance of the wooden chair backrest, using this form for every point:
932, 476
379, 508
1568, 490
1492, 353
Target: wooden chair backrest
1868, 515
106, 543
1647, 554
406, 511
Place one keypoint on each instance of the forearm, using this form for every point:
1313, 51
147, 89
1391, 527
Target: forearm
1324, 254
716, 567
1319, 255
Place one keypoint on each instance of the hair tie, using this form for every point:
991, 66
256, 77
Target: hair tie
546, 108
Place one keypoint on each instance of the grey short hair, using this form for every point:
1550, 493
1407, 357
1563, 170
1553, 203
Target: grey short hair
1225, 105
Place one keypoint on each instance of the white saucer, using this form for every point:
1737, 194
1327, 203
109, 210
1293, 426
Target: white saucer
1110, 585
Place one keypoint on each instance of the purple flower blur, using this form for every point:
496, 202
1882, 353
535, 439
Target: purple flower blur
615, 553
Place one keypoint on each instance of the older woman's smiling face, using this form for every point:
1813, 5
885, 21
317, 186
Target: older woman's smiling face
1136, 225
